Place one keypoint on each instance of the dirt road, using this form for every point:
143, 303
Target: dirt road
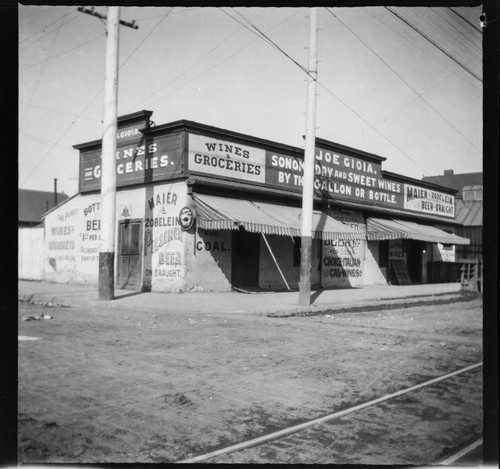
122, 386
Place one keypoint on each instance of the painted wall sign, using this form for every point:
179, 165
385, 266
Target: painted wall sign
164, 263
226, 159
142, 161
342, 261
429, 201
336, 176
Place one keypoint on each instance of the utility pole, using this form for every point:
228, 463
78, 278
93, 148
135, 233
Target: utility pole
309, 157
106, 281
108, 174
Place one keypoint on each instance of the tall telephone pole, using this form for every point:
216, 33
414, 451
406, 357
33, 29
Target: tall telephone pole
308, 177
108, 173
106, 281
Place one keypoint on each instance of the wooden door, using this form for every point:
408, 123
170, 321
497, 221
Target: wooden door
129, 254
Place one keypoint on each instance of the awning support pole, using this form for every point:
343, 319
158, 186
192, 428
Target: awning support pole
276, 262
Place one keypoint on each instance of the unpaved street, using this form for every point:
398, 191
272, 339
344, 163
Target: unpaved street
122, 386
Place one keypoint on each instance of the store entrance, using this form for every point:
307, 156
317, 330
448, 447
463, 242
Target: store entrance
129, 255
414, 250
245, 259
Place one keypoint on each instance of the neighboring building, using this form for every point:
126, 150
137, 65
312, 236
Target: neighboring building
469, 210
203, 208
33, 204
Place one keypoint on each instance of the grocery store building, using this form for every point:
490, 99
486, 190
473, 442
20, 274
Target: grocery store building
201, 208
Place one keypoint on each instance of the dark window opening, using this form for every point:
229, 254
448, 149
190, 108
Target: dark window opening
297, 244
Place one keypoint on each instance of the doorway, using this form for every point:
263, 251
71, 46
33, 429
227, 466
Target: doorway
414, 251
129, 254
245, 259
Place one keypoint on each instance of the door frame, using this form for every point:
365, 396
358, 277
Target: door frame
140, 222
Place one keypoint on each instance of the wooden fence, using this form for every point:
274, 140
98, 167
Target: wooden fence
30, 254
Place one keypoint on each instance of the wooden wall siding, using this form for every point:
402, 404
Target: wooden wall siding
30, 253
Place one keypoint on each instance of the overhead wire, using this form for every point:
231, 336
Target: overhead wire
220, 63
71, 17
40, 75
439, 12
425, 36
477, 28
269, 41
195, 64
61, 54
88, 105
420, 95
147, 37
41, 29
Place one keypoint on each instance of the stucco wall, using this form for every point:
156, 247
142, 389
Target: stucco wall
372, 273
164, 251
72, 240
208, 260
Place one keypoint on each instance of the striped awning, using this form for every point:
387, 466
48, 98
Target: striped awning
381, 229
224, 213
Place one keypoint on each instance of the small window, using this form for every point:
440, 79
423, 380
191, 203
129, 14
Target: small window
297, 244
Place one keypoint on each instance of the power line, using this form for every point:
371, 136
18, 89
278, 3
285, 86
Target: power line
36, 41
43, 69
433, 43
86, 107
218, 64
146, 38
477, 28
439, 12
42, 29
196, 63
419, 95
269, 41
59, 112
59, 55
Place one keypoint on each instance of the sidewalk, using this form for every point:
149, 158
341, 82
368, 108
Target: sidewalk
233, 302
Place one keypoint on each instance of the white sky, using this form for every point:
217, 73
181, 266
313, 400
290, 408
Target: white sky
412, 97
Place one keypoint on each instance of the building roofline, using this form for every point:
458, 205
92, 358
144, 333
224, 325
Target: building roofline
349, 150
59, 205
134, 116
418, 182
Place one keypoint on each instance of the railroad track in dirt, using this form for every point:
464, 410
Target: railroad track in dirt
299, 438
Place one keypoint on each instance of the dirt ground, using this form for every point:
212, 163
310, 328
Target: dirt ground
101, 386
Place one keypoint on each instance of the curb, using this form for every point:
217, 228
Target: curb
376, 304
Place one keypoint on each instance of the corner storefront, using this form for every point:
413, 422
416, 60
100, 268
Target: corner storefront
205, 209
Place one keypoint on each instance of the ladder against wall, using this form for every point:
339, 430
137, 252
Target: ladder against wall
471, 276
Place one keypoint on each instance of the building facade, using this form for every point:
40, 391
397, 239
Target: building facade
468, 211
205, 209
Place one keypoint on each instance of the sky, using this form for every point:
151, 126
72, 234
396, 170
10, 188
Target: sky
404, 83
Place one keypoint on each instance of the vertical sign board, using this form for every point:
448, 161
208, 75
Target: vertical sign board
137, 161
342, 261
164, 240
